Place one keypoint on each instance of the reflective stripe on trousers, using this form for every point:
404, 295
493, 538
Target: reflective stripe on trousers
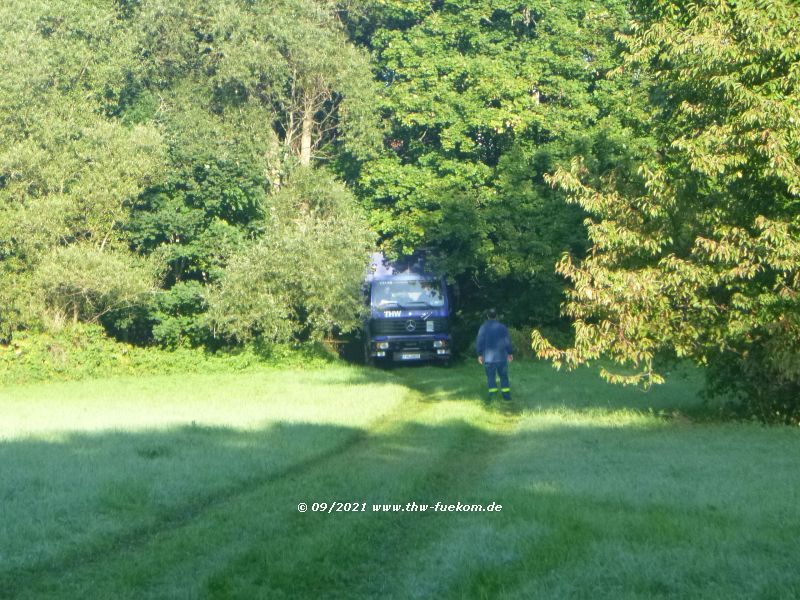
494, 369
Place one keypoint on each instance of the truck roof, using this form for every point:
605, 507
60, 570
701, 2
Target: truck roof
382, 269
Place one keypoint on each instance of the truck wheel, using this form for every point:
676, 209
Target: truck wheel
368, 359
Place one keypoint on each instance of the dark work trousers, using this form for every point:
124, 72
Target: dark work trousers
492, 370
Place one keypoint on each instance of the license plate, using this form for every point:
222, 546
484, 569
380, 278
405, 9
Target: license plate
410, 356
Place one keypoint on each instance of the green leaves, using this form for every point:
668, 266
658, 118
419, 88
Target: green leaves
481, 100
705, 258
67, 168
302, 278
81, 282
161, 127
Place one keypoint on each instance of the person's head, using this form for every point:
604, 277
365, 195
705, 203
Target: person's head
491, 313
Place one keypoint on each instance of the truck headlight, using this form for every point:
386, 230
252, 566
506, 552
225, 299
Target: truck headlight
440, 343
382, 345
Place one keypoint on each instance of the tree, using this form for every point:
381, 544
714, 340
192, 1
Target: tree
157, 129
481, 100
302, 278
703, 260
245, 93
286, 62
67, 167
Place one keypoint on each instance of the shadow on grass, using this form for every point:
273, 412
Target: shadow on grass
536, 385
68, 501
197, 511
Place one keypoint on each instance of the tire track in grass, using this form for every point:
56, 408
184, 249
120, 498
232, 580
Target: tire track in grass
342, 554
459, 476
465, 457
16, 580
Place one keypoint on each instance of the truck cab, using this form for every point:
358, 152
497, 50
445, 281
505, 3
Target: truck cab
409, 313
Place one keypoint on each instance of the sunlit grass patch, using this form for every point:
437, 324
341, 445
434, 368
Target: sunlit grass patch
233, 400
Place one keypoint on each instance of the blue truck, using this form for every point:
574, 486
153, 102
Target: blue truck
409, 313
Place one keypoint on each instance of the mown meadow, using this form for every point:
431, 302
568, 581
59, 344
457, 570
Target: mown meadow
188, 486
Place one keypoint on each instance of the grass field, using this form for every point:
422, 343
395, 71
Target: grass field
189, 486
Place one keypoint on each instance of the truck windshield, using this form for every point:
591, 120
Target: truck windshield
407, 293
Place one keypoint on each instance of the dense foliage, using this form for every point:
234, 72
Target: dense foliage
302, 278
482, 99
84, 351
145, 148
703, 259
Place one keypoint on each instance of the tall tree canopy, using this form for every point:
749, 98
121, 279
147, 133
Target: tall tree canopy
703, 260
482, 99
147, 137
67, 166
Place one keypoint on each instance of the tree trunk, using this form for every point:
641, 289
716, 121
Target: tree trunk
308, 126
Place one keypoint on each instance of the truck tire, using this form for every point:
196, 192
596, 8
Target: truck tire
369, 361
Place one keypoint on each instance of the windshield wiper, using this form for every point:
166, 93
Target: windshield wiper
418, 303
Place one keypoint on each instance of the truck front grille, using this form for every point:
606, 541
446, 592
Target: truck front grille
404, 326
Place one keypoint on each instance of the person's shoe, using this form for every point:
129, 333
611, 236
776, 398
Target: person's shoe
507, 397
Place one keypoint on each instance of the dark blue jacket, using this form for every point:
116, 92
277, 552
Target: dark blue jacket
494, 343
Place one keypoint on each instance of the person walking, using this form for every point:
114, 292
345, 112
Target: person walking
494, 353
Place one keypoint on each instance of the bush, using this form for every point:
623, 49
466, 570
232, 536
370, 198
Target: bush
172, 318
761, 381
302, 278
521, 340
180, 316
82, 282
84, 352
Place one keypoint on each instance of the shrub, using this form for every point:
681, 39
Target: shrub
761, 380
521, 340
302, 278
82, 282
84, 351
180, 316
